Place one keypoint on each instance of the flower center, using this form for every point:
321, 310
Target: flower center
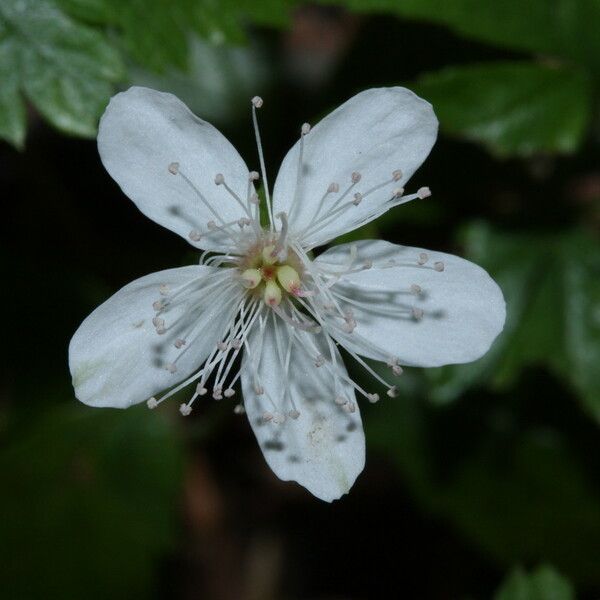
270, 271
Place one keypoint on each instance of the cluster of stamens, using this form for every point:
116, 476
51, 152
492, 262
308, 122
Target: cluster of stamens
268, 275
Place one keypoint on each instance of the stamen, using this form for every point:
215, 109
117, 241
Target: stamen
257, 102
423, 193
438, 266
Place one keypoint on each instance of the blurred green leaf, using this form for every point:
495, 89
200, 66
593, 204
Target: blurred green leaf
88, 495
551, 284
65, 69
542, 584
218, 82
565, 28
514, 108
517, 492
156, 34
12, 109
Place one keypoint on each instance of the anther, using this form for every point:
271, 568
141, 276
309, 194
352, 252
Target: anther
158, 322
195, 235
222, 346
350, 407
397, 370
305, 128
357, 198
288, 279
373, 398
333, 188
415, 289
217, 393
158, 305
254, 199
236, 344
438, 266
174, 168
201, 390
239, 409
259, 390
179, 343
423, 258
272, 295
228, 393
257, 101
171, 367
319, 361
219, 179
423, 193
398, 192
185, 409
253, 176
163, 289
397, 175
211, 225
267, 416
367, 264
278, 418
355, 177
417, 313
293, 414
392, 392
340, 401
250, 278
152, 403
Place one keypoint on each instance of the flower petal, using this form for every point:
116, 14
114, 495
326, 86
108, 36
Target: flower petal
373, 134
144, 133
323, 449
463, 309
117, 358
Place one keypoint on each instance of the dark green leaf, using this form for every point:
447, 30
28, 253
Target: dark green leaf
517, 492
65, 69
542, 584
551, 285
565, 28
12, 109
88, 495
156, 33
512, 108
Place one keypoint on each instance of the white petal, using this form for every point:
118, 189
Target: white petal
463, 308
324, 448
117, 358
142, 133
374, 133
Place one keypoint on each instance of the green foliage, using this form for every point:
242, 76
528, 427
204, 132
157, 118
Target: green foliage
515, 490
66, 56
552, 286
91, 504
542, 584
561, 28
512, 108
65, 69
156, 33
521, 108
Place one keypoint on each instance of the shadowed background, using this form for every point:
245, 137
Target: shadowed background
481, 480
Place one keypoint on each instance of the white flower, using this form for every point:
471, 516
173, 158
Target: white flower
260, 294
